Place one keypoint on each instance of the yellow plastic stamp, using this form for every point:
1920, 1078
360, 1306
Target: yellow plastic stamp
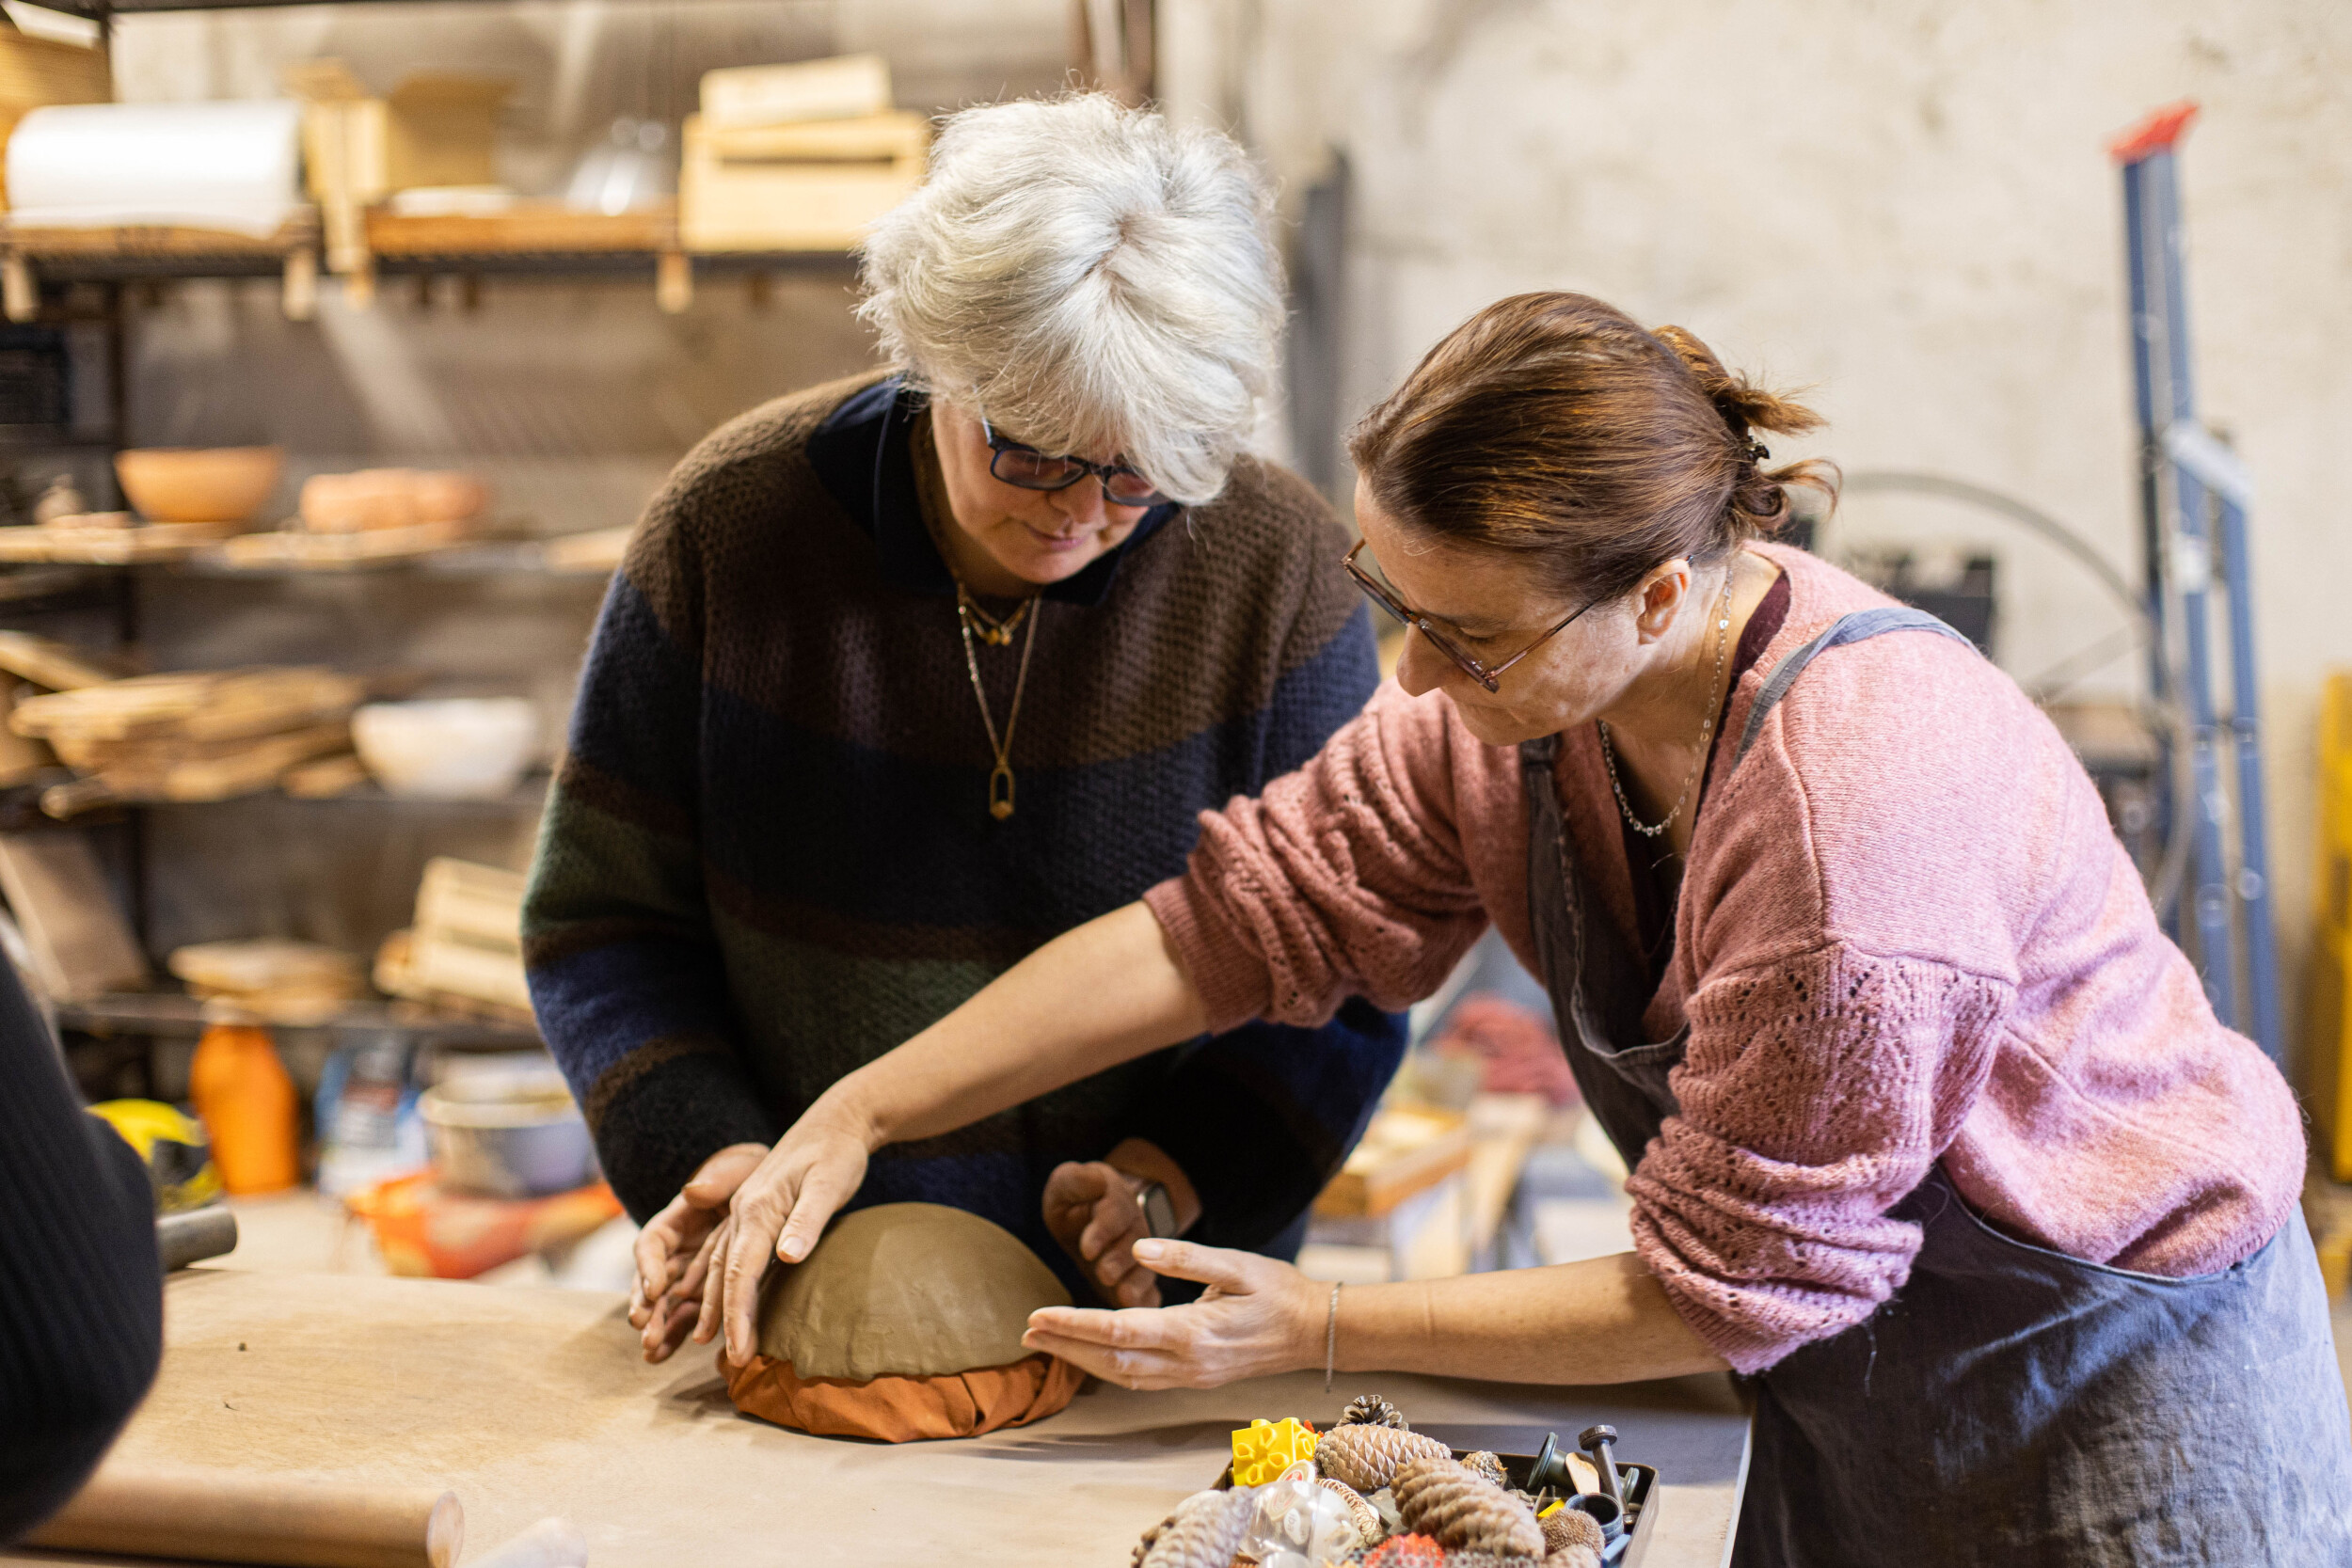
1264, 1450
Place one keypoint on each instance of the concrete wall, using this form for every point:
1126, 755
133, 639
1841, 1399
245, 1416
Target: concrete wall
1902, 204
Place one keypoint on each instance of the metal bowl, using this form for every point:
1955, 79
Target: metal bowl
487, 1139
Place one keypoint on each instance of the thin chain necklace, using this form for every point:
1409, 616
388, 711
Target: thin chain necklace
1707, 726
996, 631
972, 621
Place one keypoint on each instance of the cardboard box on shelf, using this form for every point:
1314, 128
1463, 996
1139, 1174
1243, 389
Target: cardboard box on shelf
812, 186
435, 129
35, 71
843, 87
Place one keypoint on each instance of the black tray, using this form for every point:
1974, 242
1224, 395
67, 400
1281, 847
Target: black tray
1638, 1482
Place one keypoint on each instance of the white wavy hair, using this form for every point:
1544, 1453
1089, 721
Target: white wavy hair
1090, 278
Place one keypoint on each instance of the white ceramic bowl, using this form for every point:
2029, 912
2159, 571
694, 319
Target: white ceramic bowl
459, 748
485, 1140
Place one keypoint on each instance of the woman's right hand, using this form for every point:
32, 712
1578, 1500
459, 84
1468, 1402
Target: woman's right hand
673, 1250
777, 1213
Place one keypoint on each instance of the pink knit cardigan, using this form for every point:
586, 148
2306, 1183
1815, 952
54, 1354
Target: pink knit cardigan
1906, 934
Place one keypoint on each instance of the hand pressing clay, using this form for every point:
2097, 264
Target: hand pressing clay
904, 1322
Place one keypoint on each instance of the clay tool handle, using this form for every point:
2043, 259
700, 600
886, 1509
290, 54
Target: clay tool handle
194, 1236
230, 1516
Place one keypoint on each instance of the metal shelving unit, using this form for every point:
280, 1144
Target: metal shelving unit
94, 279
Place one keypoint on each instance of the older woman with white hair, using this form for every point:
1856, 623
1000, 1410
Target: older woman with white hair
904, 676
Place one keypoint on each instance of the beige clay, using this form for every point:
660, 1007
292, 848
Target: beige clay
906, 1290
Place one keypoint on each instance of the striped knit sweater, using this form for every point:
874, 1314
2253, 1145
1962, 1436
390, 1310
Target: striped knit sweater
767, 856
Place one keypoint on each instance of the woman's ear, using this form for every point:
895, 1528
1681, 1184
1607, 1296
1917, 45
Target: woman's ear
1659, 597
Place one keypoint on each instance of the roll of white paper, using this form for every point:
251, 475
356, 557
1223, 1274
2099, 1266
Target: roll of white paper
234, 166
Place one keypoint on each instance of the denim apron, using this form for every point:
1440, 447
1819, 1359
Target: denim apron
2008, 1404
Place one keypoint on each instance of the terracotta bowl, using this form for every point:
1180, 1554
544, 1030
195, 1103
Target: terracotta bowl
198, 485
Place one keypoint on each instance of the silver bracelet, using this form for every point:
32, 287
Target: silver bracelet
1330, 1338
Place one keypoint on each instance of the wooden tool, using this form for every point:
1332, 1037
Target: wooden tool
50, 664
235, 1516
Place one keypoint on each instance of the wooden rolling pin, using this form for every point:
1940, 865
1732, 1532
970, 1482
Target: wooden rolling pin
234, 1516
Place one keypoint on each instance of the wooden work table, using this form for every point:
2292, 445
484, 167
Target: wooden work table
531, 1403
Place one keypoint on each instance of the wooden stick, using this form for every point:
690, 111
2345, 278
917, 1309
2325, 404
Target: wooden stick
235, 1516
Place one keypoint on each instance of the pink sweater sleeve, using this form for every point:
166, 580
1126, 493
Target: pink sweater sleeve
1815, 1093
1345, 878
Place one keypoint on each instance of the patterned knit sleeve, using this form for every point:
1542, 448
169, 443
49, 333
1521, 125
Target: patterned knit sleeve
626, 973
1345, 878
1260, 1116
1816, 1092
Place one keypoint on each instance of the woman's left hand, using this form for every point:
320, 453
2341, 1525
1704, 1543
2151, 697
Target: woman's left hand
1258, 1316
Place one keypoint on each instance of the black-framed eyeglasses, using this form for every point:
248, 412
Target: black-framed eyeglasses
1019, 464
1487, 675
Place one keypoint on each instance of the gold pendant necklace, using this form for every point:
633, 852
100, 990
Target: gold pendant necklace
996, 634
994, 630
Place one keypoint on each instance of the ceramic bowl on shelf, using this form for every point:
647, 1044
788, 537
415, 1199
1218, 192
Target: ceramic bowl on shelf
198, 485
451, 749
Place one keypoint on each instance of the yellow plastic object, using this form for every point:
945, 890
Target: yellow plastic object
2330, 1009
1264, 1450
179, 1157
1557, 1505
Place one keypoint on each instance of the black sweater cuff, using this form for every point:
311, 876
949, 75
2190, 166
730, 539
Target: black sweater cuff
655, 1133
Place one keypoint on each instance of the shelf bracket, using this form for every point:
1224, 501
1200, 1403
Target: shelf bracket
673, 281
299, 295
20, 296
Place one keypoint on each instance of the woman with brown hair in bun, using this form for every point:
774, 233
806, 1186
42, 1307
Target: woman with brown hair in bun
1932, 1131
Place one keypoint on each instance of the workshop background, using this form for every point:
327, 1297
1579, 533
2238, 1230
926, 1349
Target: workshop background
1908, 208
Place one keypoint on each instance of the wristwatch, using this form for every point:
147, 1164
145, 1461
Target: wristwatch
1157, 1208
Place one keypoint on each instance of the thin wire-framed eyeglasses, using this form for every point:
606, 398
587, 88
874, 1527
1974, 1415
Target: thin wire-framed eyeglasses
1487, 675
1019, 464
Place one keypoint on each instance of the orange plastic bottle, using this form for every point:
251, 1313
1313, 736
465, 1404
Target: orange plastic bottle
247, 1103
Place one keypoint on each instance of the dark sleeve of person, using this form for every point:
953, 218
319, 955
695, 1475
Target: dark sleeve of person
81, 1289
1261, 1117
625, 973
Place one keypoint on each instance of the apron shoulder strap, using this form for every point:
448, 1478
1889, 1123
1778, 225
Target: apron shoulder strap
1857, 626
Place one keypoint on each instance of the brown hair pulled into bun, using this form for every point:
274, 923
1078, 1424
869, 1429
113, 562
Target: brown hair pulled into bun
1553, 426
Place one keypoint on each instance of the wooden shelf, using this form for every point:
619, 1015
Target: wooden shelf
176, 1013
526, 558
99, 11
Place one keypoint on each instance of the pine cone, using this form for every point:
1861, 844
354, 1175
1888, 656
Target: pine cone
1367, 1517
1574, 1557
1463, 1511
1151, 1538
1487, 1560
1571, 1527
1372, 1410
1205, 1532
1368, 1457
1488, 1465
1406, 1551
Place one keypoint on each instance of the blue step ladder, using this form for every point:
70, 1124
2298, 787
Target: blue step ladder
2193, 497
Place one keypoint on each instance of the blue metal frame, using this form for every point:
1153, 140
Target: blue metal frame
2192, 490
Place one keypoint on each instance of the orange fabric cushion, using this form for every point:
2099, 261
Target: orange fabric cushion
903, 1409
